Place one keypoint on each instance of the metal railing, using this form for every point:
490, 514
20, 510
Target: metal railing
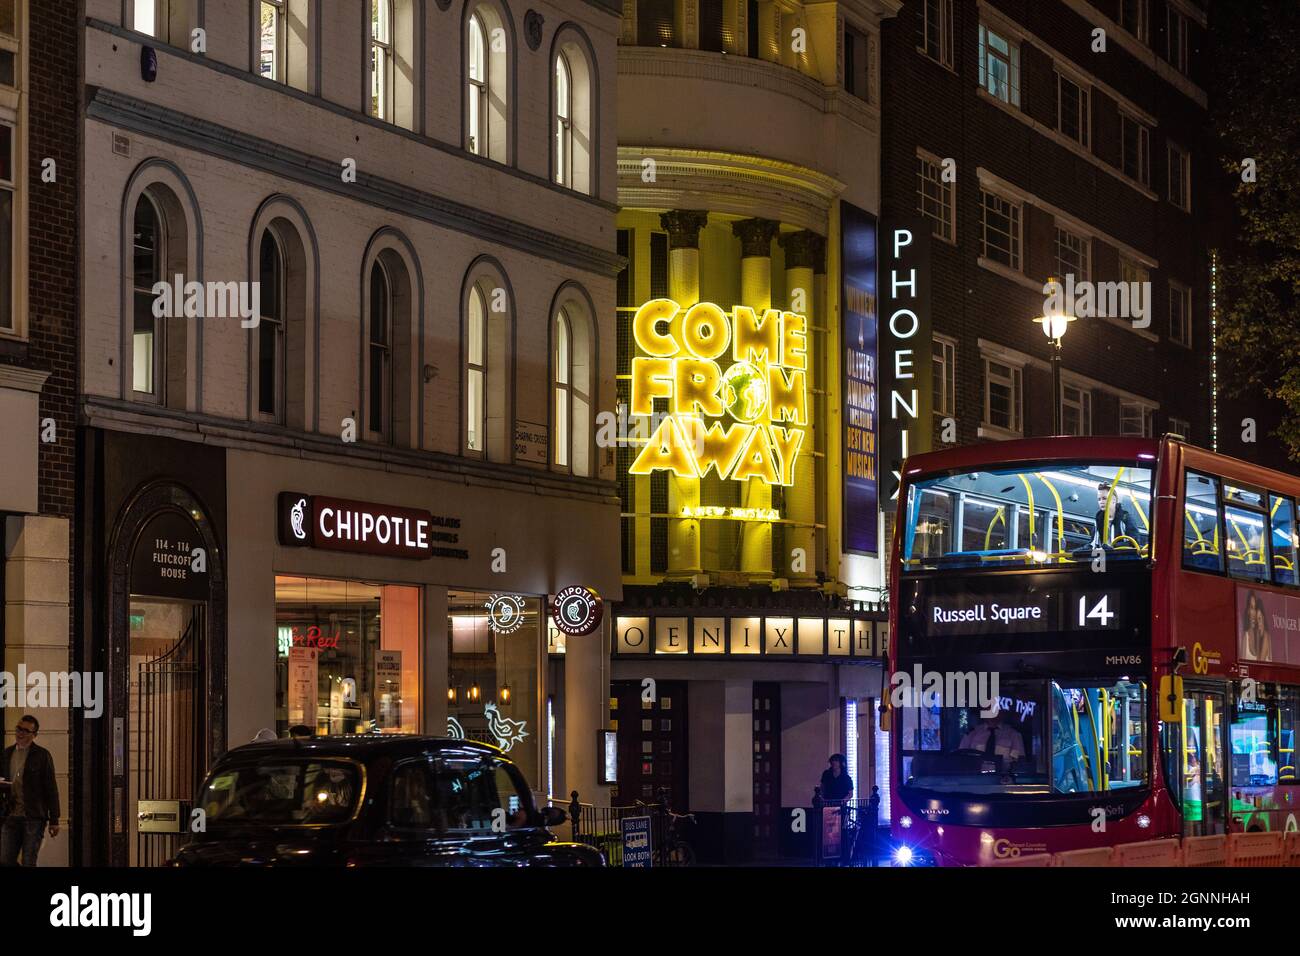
602, 827
846, 832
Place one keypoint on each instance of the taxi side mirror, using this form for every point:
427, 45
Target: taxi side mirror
1171, 699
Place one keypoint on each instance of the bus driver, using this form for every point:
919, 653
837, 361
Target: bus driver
994, 738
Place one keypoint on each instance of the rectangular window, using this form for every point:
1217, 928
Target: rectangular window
857, 65
713, 33
1076, 410
493, 682
1000, 229
1133, 17
7, 201
1253, 759
1180, 178
1134, 149
1180, 314
1245, 522
1201, 548
751, 28
1284, 541
999, 66
334, 636
1134, 419
1072, 112
146, 17
1288, 718
935, 29
8, 20
271, 40
1072, 255
1176, 40
1002, 396
935, 198
944, 357
1131, 271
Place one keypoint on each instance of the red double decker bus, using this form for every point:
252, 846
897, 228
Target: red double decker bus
1095, 641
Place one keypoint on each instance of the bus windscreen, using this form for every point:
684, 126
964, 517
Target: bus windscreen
1028, 516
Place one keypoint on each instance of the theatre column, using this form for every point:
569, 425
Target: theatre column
756, 292
801, 250
683, 227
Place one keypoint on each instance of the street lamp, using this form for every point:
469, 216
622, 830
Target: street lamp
1055, 323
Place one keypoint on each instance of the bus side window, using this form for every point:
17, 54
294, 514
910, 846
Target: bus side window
1288, 716
1245, 524
1282, 523
1201, 549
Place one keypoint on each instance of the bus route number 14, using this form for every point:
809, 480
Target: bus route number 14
1100, 615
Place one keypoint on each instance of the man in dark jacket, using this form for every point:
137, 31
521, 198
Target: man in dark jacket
31, 798
836, 782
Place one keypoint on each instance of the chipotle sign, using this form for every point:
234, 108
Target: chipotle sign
363, 527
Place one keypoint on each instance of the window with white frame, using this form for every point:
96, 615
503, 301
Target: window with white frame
475, 371
1180, 177
272, 40
1000, 229
563, 366
943, 353
1134, 418
477, 79
1003, 400
273, 310
1176, 40
563, 120
1134, 149
1076, 410
1072, 111
1180, 313
1180, 426
935, 31
999, 65
1072, 255
381, 59
935, 199
1133, 17
167, 20
9, 47
572, 371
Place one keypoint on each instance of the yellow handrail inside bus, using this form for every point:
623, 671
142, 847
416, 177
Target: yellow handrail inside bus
1146, 525
989, 533
1105, 747
1110, 495
1060, 515
1195, 527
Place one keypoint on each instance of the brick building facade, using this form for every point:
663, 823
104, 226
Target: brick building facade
38, 352
1065, 159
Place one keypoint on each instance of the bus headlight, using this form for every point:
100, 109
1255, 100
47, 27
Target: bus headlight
903, 856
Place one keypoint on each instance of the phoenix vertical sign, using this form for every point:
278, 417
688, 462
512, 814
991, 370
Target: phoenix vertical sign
906, 364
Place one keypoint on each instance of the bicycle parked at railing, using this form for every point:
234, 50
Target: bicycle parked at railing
674, 848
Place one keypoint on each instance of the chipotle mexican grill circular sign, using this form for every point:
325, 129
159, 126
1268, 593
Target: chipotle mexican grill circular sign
577, 610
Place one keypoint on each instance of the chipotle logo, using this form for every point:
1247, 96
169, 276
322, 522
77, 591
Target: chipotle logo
363, 527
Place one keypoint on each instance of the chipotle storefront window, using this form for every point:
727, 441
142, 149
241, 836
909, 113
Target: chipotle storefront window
492, 694
347, 656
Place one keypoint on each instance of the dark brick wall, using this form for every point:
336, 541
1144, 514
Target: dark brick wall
926, 105
52, 239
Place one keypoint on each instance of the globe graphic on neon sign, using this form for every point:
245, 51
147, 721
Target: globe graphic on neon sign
744, 392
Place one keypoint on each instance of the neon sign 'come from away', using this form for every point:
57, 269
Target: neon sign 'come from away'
763, 391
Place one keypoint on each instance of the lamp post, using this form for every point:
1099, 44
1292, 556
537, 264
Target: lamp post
1055, 322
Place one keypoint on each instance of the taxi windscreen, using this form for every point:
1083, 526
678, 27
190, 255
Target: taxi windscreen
283, 792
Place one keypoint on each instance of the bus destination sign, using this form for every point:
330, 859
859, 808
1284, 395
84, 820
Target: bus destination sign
1057, 610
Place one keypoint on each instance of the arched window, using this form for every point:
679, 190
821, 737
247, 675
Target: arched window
381, 324
563, 121
573, 154
381, 59
487, 82
572, 359
476, 372
488, 403
273, 295
149, 253
477, 132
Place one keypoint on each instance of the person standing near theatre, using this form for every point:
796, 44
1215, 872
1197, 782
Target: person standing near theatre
32, 797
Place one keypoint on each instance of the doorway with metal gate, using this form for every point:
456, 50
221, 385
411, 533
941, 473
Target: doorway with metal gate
166, 666
165, 724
